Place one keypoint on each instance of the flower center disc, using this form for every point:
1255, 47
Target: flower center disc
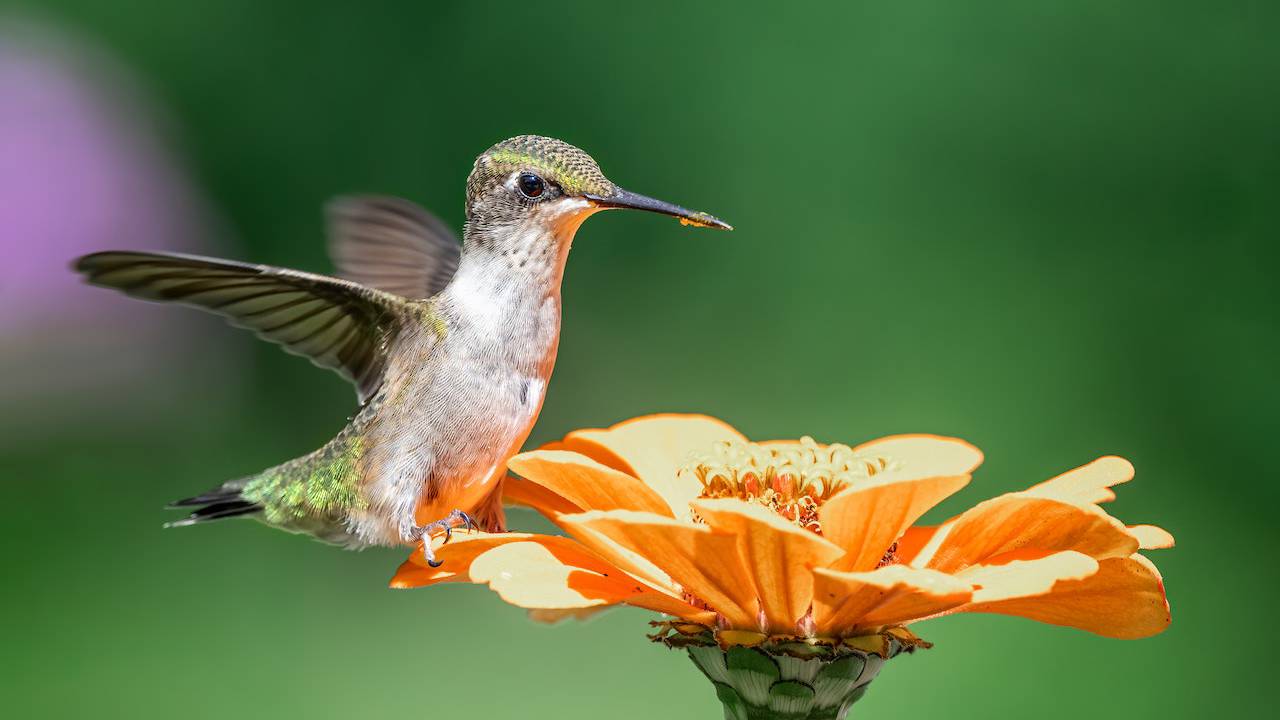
793, 479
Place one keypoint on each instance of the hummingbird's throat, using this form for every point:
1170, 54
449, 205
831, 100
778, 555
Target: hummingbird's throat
792, 479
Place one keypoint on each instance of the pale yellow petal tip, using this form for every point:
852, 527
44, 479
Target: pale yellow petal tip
1151, 537
1089, 483
546, 454
529, 575
919, 455
1117, 466
661, 419
645, 433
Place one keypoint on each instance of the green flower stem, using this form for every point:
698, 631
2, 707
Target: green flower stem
757, 685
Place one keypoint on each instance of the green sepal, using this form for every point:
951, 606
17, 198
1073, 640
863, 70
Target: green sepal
752, 673
787, 678
791, 699
735, 708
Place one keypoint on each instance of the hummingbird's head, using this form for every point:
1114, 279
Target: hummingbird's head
548, 187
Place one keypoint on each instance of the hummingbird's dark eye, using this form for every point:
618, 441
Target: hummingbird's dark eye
531, 186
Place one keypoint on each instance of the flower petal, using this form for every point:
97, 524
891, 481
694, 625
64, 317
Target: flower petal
920, 456
1089, 483
518, 491
1016, 522
778, 555
631, 562
637, 595
650, 587
529, 575
866, 520
1027, 578
1124, 599
891, 594
524, 492
1150, 537
913, 540
704, 563
547, 573
551, 616
457, 556
411, 575
653, 448
586, 483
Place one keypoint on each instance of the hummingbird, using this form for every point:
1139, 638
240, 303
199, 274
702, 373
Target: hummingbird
450, 346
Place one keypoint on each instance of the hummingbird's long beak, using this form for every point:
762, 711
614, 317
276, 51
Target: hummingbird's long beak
620, 198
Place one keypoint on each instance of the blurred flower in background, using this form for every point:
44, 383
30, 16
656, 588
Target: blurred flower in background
83, 166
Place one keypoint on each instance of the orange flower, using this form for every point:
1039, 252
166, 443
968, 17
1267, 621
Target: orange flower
792, 540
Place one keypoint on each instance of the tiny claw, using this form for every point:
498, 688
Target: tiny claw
447, 524
468, 522
427, 552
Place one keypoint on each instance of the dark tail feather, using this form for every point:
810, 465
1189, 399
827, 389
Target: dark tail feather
219, 495
216, 504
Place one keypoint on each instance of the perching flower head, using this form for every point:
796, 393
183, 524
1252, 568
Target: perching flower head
682, 515
787, 545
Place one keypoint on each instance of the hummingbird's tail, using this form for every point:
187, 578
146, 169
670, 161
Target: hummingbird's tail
225, 501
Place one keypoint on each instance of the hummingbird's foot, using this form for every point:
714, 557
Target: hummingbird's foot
457, 518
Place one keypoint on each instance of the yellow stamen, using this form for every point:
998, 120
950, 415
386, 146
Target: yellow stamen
792, 479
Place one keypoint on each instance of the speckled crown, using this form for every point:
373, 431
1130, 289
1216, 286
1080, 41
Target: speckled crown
572, 168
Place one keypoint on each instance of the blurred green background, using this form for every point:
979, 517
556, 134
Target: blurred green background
1048, 228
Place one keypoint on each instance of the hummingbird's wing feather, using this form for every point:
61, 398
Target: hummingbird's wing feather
391, 244
336, 323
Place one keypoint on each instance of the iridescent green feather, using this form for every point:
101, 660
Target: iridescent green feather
324, 485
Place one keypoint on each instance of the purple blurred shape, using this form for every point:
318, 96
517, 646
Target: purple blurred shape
82, 168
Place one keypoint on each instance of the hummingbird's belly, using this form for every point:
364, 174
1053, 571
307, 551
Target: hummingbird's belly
489, 423
444, 444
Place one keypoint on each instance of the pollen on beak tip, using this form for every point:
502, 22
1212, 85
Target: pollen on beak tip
706, 221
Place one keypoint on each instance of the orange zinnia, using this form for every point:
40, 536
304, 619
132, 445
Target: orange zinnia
791, 568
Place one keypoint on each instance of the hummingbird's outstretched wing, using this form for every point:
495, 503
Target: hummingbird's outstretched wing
391, 244
336, 323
